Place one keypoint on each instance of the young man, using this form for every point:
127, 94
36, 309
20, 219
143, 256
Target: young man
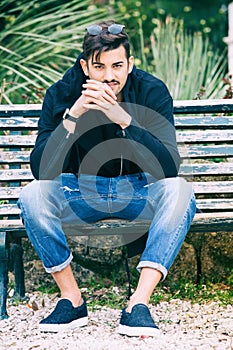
106, 147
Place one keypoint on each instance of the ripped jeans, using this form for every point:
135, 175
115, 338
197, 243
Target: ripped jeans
169, 204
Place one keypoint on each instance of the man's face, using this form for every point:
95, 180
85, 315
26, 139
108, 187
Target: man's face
112, 68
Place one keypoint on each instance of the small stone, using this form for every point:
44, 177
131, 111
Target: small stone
35, 306
191, 314
11, 293
223, 337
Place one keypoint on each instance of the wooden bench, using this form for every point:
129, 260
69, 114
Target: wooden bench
205, 137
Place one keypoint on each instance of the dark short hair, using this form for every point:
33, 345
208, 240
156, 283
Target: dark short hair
104, 42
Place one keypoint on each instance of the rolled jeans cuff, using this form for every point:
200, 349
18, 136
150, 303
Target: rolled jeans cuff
59, 267
153, 265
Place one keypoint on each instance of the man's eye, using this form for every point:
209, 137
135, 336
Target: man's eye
98, 67
119, 65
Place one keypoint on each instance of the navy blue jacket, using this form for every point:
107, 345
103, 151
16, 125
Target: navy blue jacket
99, 146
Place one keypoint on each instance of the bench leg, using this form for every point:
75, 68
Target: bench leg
3, 275
197, 240
16, 265
199, 264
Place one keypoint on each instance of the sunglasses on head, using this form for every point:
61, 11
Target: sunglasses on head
95, 29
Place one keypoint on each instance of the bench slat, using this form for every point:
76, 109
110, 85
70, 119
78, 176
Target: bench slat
203, 222
202, 151
16, 175
206, 169
10, 192
9, 209
210, 187
203, 106
15, 157
213, 187
182, 137
23, 122
205, 136
24, 110
180, 106
212, 222
18, 123
17, 140
216, 204
185, 170
205, 123
186, 151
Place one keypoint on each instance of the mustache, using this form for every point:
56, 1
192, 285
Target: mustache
112, 81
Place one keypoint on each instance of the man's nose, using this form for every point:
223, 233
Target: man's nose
109, 75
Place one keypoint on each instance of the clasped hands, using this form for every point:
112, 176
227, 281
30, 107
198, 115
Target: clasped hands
99, 96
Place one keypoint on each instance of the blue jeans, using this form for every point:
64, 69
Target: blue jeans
169, 204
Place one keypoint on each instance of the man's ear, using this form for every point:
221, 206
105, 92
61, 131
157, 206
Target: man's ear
131, 63
84, 66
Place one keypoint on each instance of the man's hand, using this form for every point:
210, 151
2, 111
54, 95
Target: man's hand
99, 96
95, 94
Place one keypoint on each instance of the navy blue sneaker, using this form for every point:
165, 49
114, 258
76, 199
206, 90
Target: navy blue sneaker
138, 322
65, 317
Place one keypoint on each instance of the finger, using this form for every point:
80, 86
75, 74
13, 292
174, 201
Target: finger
94, 85
99, 95
95, 102
109, 91
93, 106
97, 85
105, 98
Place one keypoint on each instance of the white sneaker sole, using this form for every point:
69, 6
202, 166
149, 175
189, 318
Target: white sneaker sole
46, 327
138, 331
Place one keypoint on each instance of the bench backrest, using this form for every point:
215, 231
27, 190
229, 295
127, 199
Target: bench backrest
204, 135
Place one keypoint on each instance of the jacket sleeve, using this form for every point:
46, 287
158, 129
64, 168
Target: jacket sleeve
50, 155
151, 137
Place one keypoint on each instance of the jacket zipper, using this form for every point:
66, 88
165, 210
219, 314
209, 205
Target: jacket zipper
121, 167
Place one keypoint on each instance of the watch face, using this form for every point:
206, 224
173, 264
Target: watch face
66, 114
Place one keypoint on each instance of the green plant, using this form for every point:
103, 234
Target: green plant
101, 292
229, 278
185, 62
48, 288
39, 40
209, 16
185, 290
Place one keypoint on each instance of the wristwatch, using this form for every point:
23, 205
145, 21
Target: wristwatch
67, 116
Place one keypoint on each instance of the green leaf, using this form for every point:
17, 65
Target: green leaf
185, 62
39, 41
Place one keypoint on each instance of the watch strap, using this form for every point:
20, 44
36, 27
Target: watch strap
66, 115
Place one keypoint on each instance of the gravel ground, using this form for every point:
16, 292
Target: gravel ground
183, 326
